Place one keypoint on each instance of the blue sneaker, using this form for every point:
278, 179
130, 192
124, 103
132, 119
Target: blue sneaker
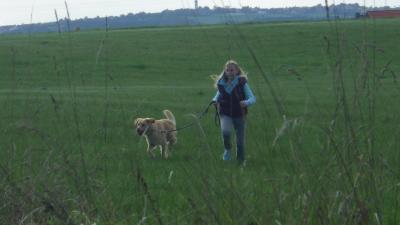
227, 155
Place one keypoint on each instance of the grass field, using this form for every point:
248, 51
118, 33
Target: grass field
322, 140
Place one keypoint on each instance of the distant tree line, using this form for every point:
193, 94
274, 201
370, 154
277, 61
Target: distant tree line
200, 16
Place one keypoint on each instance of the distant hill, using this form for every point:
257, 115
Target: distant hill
200, 16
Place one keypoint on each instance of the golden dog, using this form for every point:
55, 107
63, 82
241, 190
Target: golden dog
158, 133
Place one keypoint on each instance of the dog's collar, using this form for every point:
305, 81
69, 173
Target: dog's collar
148, 130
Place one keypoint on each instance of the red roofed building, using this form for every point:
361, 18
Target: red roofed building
384, 13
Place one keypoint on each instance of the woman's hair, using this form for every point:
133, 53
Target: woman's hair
216, 78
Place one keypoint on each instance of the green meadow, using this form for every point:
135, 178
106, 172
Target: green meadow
322, 141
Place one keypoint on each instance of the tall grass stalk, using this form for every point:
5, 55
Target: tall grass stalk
70, 70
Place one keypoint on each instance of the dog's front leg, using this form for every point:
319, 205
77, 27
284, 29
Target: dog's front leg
164, 151
150, 150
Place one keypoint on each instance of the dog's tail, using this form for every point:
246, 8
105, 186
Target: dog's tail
169, 115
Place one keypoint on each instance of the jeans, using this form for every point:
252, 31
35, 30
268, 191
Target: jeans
238, 123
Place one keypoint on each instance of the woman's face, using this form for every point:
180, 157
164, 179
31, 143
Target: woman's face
231, 70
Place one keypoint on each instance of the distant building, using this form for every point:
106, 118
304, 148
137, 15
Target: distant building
196, 4
390, 13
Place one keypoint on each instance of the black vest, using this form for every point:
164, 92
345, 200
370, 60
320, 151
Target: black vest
230, 103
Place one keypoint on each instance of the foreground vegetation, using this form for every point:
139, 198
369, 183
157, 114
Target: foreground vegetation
322, 143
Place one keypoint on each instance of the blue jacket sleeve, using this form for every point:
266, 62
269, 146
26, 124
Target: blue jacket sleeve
250, 98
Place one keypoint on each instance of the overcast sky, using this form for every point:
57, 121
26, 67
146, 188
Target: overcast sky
26, 11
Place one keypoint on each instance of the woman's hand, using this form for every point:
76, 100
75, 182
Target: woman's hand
216, 104
243, 104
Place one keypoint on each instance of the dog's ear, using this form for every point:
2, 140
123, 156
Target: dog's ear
150, 120
136, 121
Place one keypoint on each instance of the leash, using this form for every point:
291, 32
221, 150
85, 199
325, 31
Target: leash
217, 120
199, 117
